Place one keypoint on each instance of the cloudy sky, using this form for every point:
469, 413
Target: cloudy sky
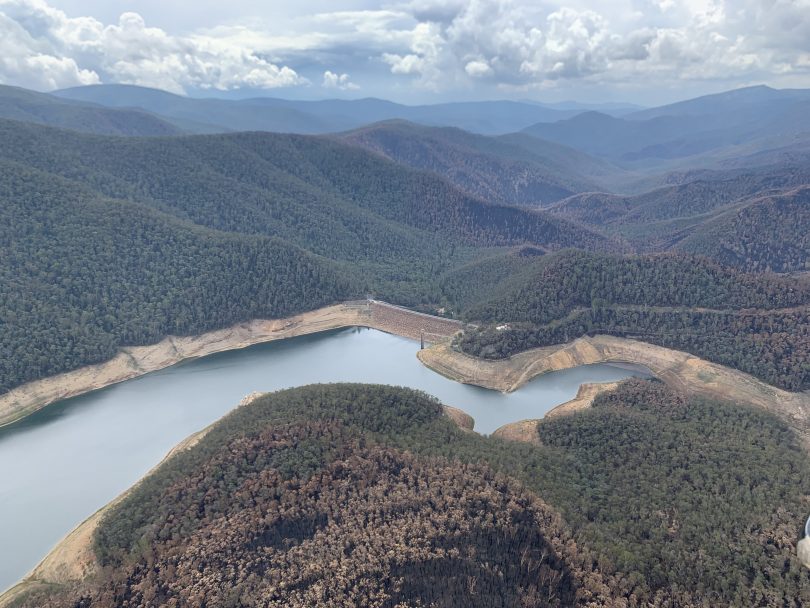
645, 51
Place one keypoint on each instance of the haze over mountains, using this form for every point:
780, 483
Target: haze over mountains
745, 127
734, 123
41, 108
331, 115
742, 128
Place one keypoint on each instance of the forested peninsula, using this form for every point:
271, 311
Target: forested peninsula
359, 494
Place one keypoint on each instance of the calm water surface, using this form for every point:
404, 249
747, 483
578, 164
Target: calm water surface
63, 463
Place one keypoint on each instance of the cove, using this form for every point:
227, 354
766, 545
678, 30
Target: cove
61, 464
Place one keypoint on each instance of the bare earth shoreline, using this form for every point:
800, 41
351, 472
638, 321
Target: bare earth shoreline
683, 371
72, 559
138, 360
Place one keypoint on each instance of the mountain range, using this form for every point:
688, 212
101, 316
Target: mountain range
128, 215
745, 121
41, 108
326, 116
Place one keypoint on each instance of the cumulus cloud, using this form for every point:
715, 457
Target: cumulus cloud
478, 68
44, 48
331, 80
520, 43
433, 45
405, 64
28, 61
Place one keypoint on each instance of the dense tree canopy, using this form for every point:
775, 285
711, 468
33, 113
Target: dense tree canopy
82, 276
113, 241
110, 241
770, 233
758, 323
366, 495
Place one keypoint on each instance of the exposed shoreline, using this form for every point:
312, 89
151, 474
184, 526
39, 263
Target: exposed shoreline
72, 559
135, 361
525, 431
685, 372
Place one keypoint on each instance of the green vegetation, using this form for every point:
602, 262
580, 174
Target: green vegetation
356, 495
111, 241
82, 275
698, 497
41, 108
334, 199
753, 219
493, 169
757, 323
121, 241
367, 494
769, 233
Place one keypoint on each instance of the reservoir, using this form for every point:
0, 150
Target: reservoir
61, 464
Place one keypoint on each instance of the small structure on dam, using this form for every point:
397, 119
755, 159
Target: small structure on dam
803, 548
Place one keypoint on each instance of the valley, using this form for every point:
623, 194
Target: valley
612, 407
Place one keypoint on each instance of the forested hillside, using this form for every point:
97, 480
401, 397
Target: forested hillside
83, 275
696, 496
767, 233
334, 198
756, 323
692, 199
565, 159
754, 219
364, 225
352, 495
40, 108
118, 241
489, 168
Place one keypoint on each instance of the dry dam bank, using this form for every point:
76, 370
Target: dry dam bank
64, 462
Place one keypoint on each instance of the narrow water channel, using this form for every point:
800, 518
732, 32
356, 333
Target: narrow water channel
63, 463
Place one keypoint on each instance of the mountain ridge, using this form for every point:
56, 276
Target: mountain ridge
319, 116
23, 105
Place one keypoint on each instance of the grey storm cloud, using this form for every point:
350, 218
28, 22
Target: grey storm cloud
508, 46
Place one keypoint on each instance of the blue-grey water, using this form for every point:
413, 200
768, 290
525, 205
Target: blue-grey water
60, 465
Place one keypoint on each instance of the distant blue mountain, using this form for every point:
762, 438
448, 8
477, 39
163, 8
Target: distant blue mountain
745, 121
325, 116
40, 108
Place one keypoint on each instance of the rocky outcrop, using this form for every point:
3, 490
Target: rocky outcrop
461, 418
